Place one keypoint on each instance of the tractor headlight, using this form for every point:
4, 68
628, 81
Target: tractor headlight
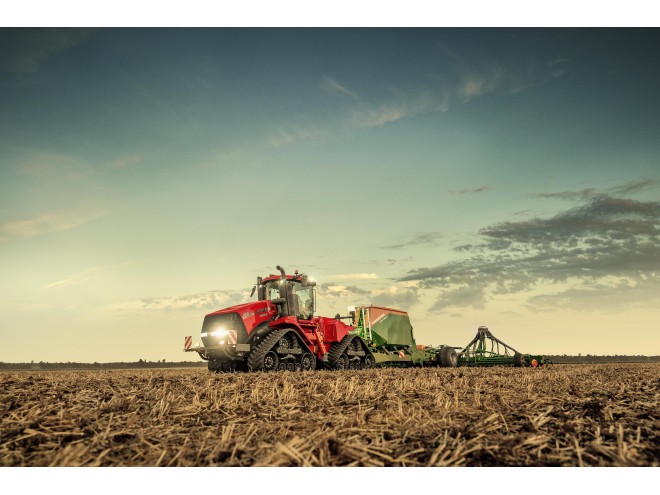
220, 332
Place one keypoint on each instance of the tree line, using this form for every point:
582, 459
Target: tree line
41, 365
600, 359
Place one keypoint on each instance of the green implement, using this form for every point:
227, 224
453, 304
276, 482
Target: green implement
388, 334
487, 350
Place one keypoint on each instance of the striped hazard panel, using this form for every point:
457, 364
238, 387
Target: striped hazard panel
231, 337
187, 344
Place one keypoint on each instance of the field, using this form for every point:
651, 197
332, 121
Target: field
565, 415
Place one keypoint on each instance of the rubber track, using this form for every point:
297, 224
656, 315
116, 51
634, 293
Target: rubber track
256, 358
337, 348
363, 344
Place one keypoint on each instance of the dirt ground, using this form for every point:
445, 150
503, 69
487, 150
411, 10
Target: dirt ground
564, 415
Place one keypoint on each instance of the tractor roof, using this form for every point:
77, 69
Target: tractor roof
295, 278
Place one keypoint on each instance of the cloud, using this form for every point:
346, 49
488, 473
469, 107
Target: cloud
495, 77
126, 161
465, 296
290, 134
85, 275
481, 83
22, 51
44, 224
460, 81
379, 115
600, 296
331, 86
353, 276
636, 186
202, 301
601, 219
361, 114
49, 167
392, 261
338, 290
600, 238
534, 73
475, 190
397, 297
75, 279
402, 105
421, 239
522, 65
568, 195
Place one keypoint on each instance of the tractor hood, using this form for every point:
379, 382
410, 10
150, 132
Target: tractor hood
242, 309
250, 314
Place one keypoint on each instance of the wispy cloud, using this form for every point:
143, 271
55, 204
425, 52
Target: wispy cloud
330, 85
494, 76
420, 239
44, 224
75, 279
473, 190
50, 167
85, 275
462, 79
353, 276
400, 106
636, 186
480, 83
201, 301
126, 161
290, 134
376, 116
600, 237
392, 261
584, 194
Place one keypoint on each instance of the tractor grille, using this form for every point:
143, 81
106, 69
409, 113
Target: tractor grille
223, 328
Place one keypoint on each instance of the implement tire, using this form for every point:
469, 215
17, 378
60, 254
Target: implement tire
519, 360
448, 358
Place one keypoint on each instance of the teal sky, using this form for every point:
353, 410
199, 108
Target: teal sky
499, 177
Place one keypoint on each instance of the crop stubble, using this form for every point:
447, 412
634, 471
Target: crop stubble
569, 415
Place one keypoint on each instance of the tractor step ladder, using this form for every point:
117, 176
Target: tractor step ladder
365, 320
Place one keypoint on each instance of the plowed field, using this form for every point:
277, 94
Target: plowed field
566, 415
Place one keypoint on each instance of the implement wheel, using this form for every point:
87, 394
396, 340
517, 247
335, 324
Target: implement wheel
519, 360
448, 358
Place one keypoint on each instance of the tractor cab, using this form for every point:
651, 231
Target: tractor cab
294, 295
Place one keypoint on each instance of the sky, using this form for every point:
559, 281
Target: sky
500, 177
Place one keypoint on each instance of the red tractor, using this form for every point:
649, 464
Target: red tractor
279, 332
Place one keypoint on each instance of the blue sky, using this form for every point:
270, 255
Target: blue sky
499, 177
